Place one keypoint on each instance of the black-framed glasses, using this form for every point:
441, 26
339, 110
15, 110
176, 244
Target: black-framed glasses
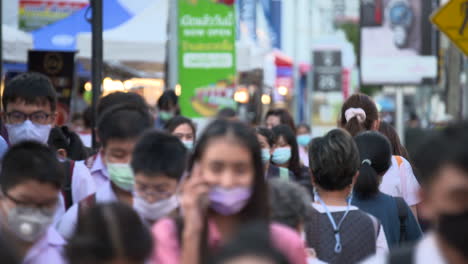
39, 117
46, 208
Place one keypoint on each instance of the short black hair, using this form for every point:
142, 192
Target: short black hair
445, 147
176, 121
108, 231
334, 160
289, 203
123, 122
226, 113
119, 98
376, 158
167, 100
31, 87
159, 153
267, 133
306, 126
88, 117
289, 136
63, 138
30, 160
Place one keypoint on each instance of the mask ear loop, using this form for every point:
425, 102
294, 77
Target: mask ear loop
113, 230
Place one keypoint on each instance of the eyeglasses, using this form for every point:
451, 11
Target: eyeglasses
46, 208
39, 117
148, 191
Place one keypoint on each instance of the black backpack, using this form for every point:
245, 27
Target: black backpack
402, 216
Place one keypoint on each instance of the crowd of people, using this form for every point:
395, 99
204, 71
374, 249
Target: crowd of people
156, 190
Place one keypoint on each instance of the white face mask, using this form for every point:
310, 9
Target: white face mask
28, 131
156, 210
29, 224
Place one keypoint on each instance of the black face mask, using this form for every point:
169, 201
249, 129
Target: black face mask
453, 228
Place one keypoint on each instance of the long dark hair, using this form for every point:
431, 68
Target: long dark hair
176, 121
284, 116
353, 126
257, 208
397, 148
376, 159
288, 135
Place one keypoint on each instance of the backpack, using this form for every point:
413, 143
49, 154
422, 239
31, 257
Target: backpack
67, 187
403, 255
402, 216
85, 204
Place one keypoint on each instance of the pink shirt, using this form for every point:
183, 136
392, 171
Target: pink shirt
167, 250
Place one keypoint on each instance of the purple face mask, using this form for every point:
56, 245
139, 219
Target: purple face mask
229, 201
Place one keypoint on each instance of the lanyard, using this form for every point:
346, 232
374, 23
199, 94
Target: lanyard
336, 228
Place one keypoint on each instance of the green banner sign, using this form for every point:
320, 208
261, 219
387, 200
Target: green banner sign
207, 58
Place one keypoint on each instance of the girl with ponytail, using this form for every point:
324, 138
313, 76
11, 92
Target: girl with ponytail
375, 157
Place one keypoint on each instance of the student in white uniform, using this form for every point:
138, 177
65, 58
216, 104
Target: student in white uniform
443, 163
119, 128
358, 114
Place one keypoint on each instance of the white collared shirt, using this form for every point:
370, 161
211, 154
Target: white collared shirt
99, 172
47, 250
427, 251
67, 224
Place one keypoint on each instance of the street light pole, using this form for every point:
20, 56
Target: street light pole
96, 61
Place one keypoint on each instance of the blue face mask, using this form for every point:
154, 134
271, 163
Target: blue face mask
188, 144
303, 140
266, 156
281, 155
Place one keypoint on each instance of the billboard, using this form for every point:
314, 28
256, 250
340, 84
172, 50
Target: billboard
327, 70
34, 14
206, 56
398, 42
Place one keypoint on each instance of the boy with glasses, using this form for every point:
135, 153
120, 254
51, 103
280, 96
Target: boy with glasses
30, 180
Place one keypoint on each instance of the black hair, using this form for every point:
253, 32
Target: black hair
376, 158
109, 231
176, 121
119, 98
88, 117
253, 239
334, 160
226, 113
263, 131
158, 153
285, 117
31, 87
168, 100
306, 126
257, 207
30, 160
76, 117
397, 148
286, 132
123, 122
289, 203
445, 147
63, 138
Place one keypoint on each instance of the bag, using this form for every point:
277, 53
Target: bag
402, 216
403, 255
85, 204
67, 187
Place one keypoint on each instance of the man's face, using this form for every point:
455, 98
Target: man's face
37, 113
118, 150
448, 194
272, 121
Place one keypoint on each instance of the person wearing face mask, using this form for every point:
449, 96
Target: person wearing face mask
304, 138
338, 231
226, 188
30, 180
119, 128
442, 163
265, 138
30, 104
158, 163
168, 107
184, 129
286, 154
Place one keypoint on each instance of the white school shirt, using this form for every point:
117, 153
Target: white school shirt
400, 181
67, 224
82, 186
427, 251
99, 171
381, 241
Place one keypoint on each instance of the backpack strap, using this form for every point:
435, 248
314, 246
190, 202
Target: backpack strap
402, 215
399, 160
67, 187
402, 174
284, 174
89, 162
403, 255
376, 224
85, 204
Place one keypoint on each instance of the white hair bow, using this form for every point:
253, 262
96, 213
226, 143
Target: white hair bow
359, 113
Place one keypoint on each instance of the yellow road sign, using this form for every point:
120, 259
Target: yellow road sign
452, 20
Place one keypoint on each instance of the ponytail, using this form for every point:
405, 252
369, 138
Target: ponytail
354, 127
367, 184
